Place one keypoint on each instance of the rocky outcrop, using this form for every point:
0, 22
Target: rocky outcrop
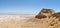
40, 16
57, 15
44, 13
55, 20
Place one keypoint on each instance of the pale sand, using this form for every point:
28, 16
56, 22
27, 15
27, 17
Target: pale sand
22, 21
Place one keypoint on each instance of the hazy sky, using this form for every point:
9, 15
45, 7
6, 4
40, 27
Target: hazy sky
27, 6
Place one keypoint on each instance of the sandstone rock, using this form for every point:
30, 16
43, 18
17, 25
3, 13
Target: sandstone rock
55, 20
44, 13
40, 16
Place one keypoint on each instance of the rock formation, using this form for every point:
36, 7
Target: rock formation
45, 13
40, 16
55, 20
57, 15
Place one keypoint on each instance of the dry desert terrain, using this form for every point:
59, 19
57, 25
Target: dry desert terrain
23, 21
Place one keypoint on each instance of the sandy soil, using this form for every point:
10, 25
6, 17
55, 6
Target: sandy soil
22, 21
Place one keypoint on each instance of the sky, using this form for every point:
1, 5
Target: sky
27, 6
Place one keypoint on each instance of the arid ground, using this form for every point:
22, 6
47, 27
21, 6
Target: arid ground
19, 21
23, 21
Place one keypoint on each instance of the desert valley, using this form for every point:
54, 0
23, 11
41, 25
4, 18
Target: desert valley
46, 18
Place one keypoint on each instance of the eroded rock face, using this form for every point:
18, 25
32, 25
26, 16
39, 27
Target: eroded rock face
55, 20
56, 15
40, 16
45, 13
